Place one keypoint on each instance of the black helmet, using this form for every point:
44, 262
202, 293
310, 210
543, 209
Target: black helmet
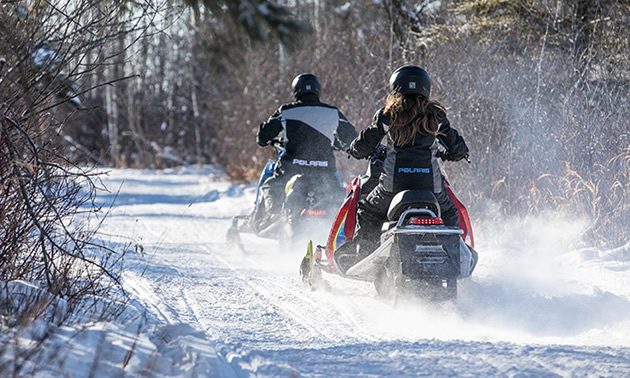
305, 83
410, 79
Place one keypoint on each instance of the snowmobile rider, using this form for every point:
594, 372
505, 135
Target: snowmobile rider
309, 131
413, 125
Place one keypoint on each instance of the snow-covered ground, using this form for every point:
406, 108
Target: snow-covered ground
537, 304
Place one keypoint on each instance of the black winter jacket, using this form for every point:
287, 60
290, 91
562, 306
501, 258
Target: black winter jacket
413, 166
310, 129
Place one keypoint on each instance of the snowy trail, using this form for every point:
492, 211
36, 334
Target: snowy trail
536, 308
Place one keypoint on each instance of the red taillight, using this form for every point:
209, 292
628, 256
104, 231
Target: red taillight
314, 212
425, 221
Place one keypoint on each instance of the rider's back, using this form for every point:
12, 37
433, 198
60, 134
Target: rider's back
310, 129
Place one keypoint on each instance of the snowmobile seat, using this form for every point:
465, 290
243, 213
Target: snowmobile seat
412, 199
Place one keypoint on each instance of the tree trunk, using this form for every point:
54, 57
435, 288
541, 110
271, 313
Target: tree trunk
112, 118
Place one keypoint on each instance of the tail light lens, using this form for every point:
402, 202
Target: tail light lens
425, 221
314, 212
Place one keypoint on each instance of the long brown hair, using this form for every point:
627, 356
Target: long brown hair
410, 115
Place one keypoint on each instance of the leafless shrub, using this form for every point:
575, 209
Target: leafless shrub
52, 264
42, 201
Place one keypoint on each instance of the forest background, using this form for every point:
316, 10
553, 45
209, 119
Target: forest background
540, 90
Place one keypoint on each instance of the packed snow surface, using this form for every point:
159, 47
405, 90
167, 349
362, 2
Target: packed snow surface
537, 304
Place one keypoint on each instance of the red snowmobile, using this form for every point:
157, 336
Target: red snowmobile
417, 255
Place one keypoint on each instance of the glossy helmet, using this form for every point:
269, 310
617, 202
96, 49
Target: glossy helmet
305, 83
410, 79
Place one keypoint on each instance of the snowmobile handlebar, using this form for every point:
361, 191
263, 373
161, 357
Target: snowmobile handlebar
380, 152
278, 143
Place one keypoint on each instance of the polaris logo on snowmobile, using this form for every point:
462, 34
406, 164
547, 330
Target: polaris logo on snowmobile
414, 170
311, 163
430, 254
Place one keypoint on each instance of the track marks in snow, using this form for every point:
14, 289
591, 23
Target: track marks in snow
295, 311
331, 319
325, 316
294, 307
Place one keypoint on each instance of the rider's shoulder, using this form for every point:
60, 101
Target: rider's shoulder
299, 104
325, 105
441, 114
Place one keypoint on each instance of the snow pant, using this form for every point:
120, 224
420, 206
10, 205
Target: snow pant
372, 213
272, 191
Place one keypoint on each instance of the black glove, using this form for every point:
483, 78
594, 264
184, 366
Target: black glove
459, 150
446, 156
457, 156
460, 157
